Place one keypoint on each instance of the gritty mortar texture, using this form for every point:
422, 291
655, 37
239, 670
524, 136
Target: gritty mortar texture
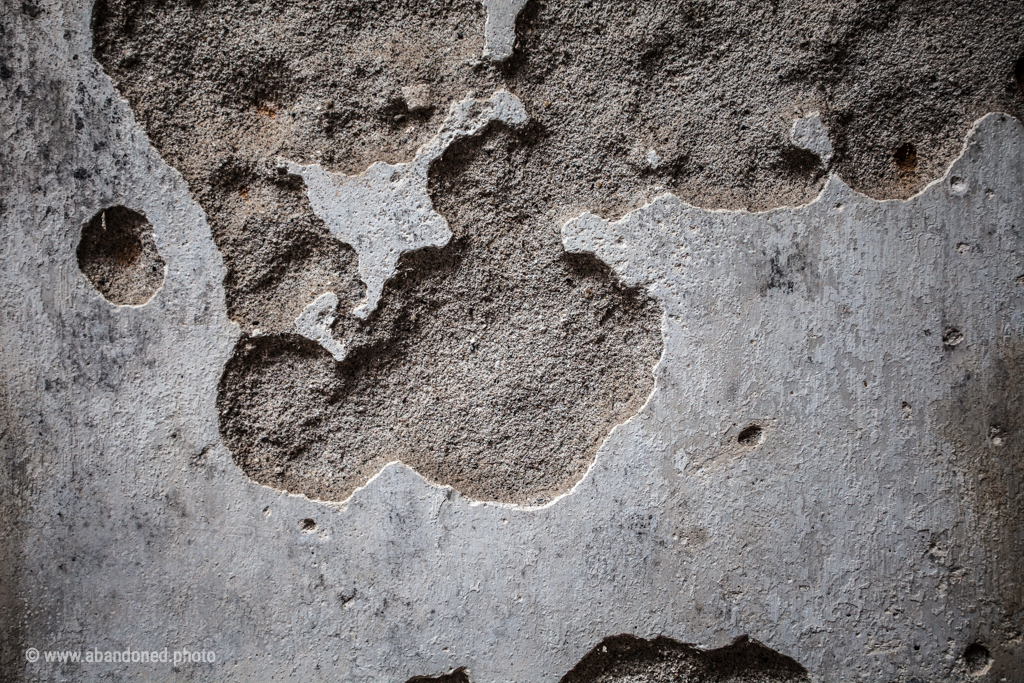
496, 365
627, 659
871, 532
119, 257
710, 89
623, 101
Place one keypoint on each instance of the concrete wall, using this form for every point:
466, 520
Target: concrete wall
813, 470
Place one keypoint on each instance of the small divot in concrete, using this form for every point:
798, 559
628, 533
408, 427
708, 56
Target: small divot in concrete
751, 436
118, 255
977, 659
952, 338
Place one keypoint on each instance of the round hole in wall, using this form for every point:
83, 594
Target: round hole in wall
751, 435
118, 255
977, 658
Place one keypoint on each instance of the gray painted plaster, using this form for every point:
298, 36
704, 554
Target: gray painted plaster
137, 529
500, 29
315, 323
386, 210
809, 133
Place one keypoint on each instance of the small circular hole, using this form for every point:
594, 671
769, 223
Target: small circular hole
977, 658
117, 253
952, 337
308, 525
906, 158
751, 435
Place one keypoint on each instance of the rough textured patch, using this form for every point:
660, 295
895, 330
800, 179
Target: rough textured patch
625, 100
626, 659
563, 348
457, 676
119, 257
711, 87
496, 364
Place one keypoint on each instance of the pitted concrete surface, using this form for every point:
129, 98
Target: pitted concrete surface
386, 211
830, 460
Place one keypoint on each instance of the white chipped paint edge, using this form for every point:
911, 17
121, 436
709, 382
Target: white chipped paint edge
809, 133
500, 29
315, 323
386, 211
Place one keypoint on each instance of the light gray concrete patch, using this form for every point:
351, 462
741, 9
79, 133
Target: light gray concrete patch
315, 323
500, 30
386, 210
808, 132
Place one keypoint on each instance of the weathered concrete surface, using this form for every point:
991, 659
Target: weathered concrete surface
875, 533
808, 132
386, 210
500, 30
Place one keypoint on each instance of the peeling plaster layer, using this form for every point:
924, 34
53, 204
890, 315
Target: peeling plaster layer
615, 119
500, 30
808, 132
874, 534
496, 364
386, 211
